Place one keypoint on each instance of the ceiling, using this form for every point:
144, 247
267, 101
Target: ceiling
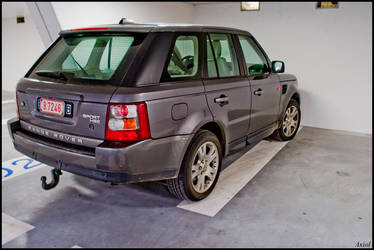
13, 9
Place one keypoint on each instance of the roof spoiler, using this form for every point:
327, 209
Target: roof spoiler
126, 21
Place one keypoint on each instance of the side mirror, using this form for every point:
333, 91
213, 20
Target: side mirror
277, 66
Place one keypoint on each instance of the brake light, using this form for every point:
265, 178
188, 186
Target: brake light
127, 122
92, 28
17, 106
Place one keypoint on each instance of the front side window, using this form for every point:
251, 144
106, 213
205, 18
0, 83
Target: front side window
86, 57
184, 61
225, 56
254, 59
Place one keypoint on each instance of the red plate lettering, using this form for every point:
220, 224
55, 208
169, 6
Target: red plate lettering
52, 106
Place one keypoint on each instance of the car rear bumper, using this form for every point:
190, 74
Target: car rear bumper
148, 160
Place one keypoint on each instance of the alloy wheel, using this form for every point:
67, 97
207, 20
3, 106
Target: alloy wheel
290, 121
205, 167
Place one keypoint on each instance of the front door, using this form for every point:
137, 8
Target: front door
265, 86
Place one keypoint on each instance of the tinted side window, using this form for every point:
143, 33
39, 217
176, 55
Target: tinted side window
254, 59
184, 61
224, 52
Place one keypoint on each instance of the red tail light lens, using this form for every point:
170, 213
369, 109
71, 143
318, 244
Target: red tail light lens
119, 111
127, 122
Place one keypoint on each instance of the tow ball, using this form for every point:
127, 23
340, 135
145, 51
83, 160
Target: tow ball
55, 178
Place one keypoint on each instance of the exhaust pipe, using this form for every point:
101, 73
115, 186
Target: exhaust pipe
55, 178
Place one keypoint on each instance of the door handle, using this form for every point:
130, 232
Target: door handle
258, 92
222, 100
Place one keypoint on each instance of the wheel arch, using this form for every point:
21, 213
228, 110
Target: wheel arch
296, 97
286, 100
219, 131
212, 126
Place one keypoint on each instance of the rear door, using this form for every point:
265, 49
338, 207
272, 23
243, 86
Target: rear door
69, 89
265, 86
227, 91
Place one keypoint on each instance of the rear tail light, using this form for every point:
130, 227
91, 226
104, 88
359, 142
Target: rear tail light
127, 122
17, 106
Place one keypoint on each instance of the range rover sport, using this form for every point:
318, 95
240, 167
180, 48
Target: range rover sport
151, 102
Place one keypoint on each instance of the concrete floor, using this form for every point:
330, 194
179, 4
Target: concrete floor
316, 192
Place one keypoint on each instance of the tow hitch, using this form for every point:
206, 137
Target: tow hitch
56, 177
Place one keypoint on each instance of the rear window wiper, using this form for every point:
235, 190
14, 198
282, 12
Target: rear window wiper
53, 74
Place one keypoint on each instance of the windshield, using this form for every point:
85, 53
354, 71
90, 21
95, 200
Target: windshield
85, 57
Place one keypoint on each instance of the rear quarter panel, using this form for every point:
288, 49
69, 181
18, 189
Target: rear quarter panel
177, 108
174, 109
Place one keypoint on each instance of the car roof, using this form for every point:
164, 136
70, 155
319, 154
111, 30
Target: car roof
158, 27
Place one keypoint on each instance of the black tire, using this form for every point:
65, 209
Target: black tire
181, 187
279, 134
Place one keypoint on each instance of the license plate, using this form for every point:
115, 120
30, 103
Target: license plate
52, 107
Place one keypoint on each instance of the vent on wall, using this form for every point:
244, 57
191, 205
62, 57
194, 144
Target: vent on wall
20, 19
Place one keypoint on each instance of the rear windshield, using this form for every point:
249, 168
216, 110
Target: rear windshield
93, 57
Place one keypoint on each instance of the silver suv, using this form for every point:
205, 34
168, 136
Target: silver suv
146, 102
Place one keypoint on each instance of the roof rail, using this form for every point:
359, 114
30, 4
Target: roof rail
126, 21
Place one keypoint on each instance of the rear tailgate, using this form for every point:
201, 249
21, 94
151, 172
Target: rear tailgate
89, 106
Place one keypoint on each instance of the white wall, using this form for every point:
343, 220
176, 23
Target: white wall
21, 47
82, 14
329, 50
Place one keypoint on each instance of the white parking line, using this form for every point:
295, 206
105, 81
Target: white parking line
12, 228
76, 246
235, 177
18, 166
8, 101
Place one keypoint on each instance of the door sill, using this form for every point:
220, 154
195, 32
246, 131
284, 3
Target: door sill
261, 133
